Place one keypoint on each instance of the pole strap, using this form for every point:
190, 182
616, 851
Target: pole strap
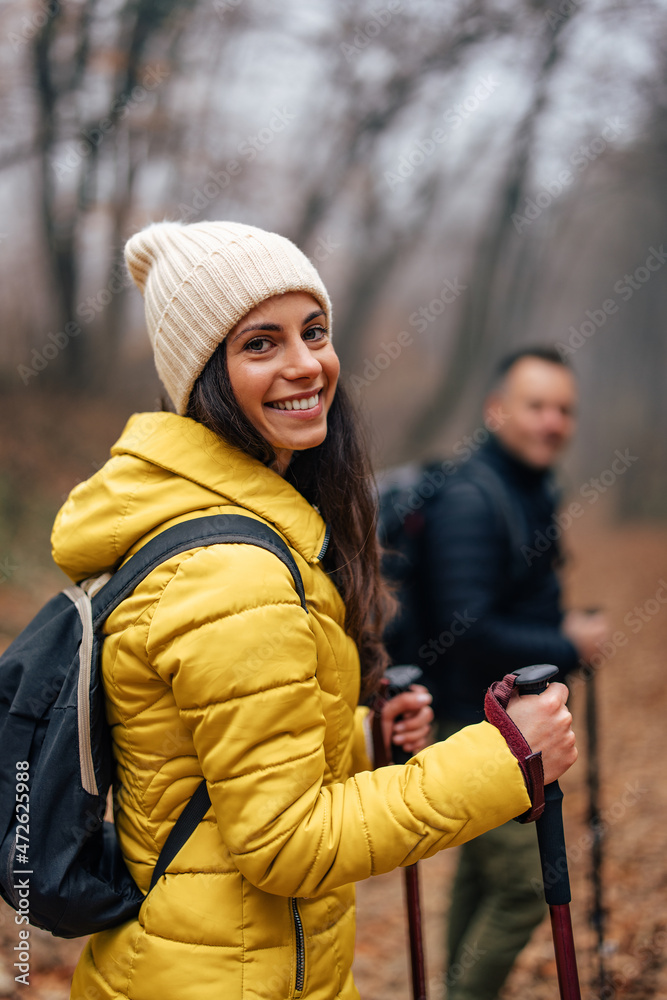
495, 707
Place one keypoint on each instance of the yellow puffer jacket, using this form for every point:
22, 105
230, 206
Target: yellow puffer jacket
213, 668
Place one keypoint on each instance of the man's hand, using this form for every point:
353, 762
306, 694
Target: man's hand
546, 725
412, 731
587, 631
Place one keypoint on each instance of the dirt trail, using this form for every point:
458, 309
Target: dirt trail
621, 570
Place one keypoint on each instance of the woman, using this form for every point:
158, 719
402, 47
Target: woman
211, 667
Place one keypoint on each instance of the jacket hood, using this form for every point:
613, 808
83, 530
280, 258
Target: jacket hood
164, 467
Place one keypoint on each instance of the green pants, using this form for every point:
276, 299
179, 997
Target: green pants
497, 902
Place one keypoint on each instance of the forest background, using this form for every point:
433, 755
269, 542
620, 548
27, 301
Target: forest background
468, 176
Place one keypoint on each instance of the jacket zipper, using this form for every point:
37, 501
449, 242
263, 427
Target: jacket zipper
325, 544
300, 950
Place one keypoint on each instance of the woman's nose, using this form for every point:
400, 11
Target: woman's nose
300, 361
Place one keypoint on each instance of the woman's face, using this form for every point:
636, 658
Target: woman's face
284, 370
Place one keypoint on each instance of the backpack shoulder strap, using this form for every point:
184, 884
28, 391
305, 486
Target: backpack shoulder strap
512, 516
186, 824
212, 530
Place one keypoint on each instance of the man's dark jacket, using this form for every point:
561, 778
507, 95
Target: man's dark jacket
494, 608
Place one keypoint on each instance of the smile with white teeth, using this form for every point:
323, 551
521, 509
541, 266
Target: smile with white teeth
308, 403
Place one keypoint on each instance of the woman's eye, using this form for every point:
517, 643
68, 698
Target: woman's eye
315, 333
257, 344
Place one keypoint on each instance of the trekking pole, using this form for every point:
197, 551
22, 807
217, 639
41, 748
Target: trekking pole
597, 915
553, 856
399, 679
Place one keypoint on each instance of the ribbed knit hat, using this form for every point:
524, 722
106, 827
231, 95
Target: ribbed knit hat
200, 280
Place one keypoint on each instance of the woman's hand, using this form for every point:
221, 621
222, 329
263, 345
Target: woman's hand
546, 725
412, 731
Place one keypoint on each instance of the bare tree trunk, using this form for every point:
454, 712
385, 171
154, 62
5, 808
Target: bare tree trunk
483, 308
366, 125
373, 270
63, 213
59, 231
135, 149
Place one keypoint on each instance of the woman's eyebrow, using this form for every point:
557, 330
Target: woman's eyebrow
312, 315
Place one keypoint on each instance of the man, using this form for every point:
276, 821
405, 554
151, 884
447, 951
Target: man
496, 607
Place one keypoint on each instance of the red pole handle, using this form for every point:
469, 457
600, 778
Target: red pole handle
553, 854
399, 679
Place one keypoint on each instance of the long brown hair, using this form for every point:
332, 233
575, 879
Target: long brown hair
336, 477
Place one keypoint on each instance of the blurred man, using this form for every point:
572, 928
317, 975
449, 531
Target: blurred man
493, 551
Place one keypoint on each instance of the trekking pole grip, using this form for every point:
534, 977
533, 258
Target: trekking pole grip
551, 840
396, 680
550, 833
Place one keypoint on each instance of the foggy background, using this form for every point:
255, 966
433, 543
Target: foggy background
469, 176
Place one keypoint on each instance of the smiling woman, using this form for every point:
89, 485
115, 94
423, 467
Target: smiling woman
226, 666
284, 380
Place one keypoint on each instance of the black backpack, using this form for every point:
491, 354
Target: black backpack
60, 864
406, 503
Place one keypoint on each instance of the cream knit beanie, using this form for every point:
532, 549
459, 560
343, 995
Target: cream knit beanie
200, 280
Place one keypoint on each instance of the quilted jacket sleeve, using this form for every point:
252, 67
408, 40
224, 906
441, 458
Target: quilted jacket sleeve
241, 661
